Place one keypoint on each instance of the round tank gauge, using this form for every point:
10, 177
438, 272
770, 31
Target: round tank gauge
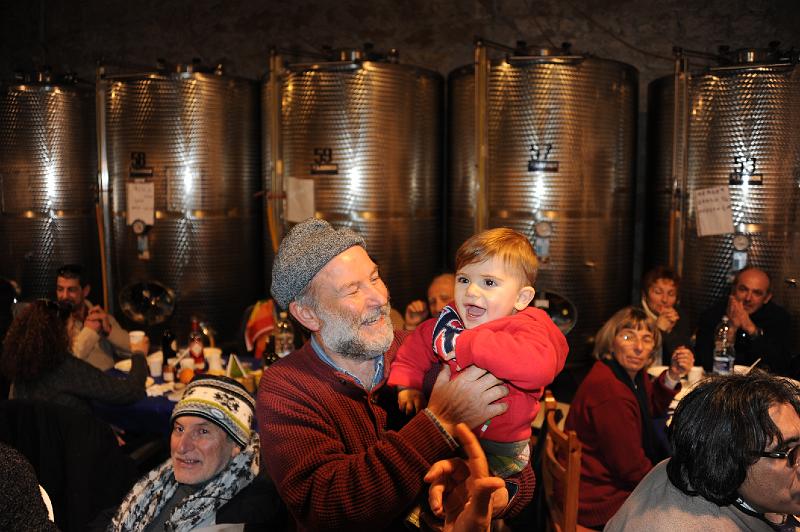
543, 229
741, 242
138, 227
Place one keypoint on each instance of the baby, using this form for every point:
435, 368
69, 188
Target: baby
490, 326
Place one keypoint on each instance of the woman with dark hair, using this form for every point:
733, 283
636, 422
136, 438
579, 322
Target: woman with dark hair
660, 301
37, 361
613, 410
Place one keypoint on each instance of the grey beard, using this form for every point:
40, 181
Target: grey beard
341, 335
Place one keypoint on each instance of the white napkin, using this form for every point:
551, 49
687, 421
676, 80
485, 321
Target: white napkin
158, 390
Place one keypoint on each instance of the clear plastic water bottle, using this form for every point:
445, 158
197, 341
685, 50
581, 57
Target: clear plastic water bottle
724, 354
283, 336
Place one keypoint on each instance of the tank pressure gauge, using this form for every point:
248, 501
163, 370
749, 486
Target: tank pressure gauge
139, 227
739, 258
741, 242
543, 229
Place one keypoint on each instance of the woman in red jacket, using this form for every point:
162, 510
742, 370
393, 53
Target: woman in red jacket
613, 411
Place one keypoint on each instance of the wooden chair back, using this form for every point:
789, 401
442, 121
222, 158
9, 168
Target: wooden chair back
561, 472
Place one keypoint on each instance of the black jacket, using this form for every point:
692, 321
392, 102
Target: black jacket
773, 347
76, 458
258, 506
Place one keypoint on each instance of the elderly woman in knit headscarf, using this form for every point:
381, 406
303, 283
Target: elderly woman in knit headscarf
613, 411
212, 475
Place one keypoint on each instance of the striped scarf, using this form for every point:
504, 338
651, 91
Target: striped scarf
146, 499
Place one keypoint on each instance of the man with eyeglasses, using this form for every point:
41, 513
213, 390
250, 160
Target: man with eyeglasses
760, 328
96, 336
735, 462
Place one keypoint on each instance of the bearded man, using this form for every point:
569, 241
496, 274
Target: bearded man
334, 442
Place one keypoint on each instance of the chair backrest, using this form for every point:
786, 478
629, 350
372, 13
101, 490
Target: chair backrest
76, 458
561, 471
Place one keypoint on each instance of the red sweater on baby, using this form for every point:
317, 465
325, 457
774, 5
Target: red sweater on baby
526, 350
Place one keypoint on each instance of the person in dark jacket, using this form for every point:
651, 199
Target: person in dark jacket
760, 328
212, 475
37, 361
21, 502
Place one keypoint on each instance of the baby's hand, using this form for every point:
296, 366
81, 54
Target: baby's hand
416, 312
410, 400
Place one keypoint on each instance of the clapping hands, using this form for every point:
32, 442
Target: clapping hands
739, 317
667, 319
97, 320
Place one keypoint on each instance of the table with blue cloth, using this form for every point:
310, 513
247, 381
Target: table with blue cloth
146, 416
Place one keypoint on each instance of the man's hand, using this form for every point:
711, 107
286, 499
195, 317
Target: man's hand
410, 400
97, 320
416, 312
667, 319
446, 332
467, 399
462, 491
739, 317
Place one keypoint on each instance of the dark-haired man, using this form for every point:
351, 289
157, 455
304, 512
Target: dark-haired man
759, 327
736, 461
96, 336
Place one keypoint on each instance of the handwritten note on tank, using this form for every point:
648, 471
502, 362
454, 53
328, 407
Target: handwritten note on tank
713, 208
299, 199
141, 203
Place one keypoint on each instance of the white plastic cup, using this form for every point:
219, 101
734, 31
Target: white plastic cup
155, 362
187, 363
137, 340
695, 374
213, 356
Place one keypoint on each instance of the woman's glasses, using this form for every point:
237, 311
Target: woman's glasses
632, 338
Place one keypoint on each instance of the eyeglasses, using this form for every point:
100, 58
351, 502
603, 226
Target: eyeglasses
791, 456
631, 338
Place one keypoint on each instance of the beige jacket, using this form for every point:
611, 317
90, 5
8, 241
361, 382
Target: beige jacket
656, 505
98, 350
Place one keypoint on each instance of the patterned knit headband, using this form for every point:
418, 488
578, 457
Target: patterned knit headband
222, 401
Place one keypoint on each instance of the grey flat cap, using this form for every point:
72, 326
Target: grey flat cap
304, 251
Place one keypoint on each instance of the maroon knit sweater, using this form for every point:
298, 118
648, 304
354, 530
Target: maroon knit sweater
344, 458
